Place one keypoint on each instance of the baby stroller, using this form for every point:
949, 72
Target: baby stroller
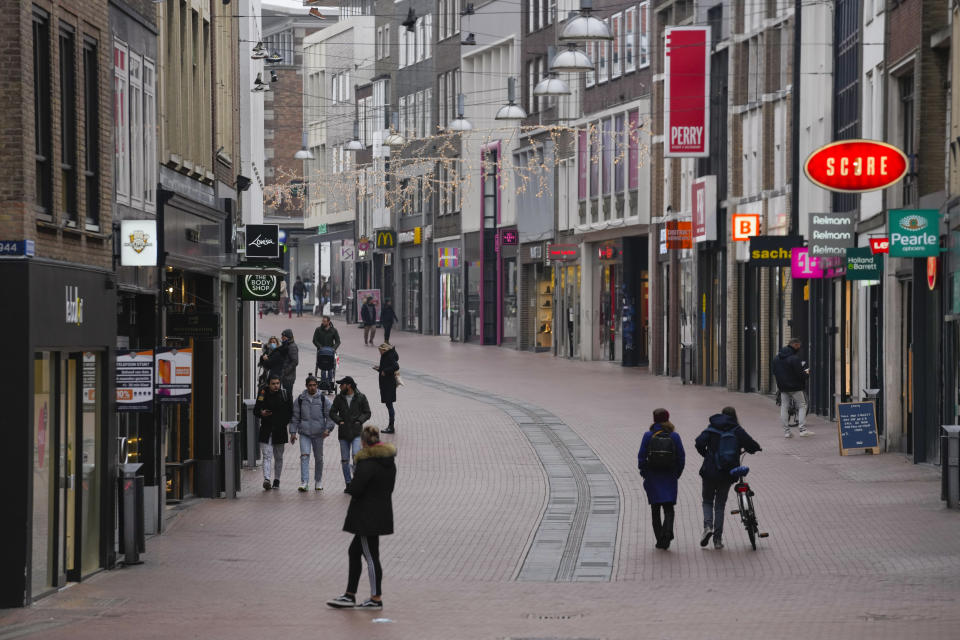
327, 360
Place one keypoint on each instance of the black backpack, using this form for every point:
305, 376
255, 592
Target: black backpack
661, 452
727, 455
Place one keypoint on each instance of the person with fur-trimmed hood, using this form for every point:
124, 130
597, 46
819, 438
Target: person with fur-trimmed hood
369, 516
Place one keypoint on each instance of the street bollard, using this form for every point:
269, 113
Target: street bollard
950, 465
252, 433
230, 458
128, 487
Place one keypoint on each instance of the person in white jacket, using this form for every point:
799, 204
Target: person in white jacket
311, 422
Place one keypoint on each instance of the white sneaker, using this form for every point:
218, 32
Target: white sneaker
787, 434
805, 433
318, 486
302, 487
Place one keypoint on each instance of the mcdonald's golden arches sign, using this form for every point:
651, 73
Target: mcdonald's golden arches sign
386, 239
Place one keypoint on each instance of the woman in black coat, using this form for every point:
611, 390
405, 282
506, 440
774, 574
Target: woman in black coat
369, 516
388, 368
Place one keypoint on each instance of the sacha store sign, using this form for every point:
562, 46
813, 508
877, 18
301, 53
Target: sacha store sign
914, 233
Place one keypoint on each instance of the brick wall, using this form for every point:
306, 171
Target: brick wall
904, 30
18, 213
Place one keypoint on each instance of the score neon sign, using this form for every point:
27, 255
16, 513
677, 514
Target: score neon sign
855, 166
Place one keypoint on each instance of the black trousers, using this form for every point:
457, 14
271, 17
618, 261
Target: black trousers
663, 530
367, 547
387, 328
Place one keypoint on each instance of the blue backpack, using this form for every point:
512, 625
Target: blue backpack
727, 454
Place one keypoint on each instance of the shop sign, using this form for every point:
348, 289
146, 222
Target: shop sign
608, 252
745, 226
854, 166
200, 326
686, 65
74, 306
880, 245
508, 237
321, 229
704, 208
386, 239
563, 252
955, 276
363, 244
260, 286
679, 235
405, 237
347, 253
863, 264
138, 243
263, 241
773, 251
174, 375
448, 257
134, 380
25, 248
89, 379
803, 265
931, 273
830, 234
536, 252
914, 233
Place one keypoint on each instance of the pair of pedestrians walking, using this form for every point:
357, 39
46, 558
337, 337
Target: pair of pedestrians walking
661, 460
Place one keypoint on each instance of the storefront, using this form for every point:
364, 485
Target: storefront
537, 307
566, 276
450, 293
61, 417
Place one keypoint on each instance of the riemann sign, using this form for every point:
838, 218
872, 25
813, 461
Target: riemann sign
855, 166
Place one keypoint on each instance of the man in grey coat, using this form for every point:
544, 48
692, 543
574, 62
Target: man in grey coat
312, 424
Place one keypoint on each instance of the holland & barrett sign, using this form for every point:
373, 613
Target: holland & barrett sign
914, 233
830, 234
863, 264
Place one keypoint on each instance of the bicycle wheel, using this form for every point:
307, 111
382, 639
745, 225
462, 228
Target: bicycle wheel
752, 531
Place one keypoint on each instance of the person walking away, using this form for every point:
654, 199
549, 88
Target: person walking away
349, 411
274, 409
387, 318
284, 296
368, 315
312, 424
299, 291
327, 337
661, 460
291, 359
369, 516
791, 377
388, 368
720, 445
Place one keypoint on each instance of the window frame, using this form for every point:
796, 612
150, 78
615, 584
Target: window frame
643, 35
43, 113
629, 40
91, 132
150, 135
616, 56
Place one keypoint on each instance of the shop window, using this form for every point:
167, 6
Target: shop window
91, 133
42, 127
68, 125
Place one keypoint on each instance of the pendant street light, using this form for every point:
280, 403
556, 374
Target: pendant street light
551, 85
572, 60
585, 27
511, 111
395, 139
304, 153
355, 144
461, 123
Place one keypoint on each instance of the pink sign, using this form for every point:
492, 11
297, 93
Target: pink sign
803, 265
686, 62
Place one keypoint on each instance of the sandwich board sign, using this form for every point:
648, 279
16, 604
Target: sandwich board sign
857, 427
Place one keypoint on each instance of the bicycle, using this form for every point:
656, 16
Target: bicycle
748, 515
793, 418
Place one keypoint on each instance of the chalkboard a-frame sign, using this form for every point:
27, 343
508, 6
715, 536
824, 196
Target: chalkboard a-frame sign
857, 427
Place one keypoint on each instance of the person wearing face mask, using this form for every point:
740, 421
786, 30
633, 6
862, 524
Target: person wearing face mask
268, 347
349, 411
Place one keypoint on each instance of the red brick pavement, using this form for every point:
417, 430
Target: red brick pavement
860, 546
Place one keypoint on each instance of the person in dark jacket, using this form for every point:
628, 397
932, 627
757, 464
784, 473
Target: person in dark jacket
299, 291
716, 482
791, 375
350, 410
388, 368
368, 315
661, 484
274, 408
291, 358
369, 516
387, 318
326, 337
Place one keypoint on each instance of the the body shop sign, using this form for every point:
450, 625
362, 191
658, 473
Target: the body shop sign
686, 64
260, 286
914, 233
855, 166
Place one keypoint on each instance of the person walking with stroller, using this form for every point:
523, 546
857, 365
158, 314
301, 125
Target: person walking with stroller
369, 516
791, 375
349, 411
326, 339
368, 315
299, 291
661, 460
720, 445
274, 409
387, 318
388, 368
312, 424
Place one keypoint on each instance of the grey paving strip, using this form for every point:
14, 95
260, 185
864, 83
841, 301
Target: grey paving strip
576, 537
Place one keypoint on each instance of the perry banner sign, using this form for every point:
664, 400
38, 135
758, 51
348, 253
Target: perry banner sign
134, 380
686, 64
174, 374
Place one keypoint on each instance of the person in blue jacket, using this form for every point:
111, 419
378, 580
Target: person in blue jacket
661, 459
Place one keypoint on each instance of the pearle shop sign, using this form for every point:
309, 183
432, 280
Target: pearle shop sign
830, 234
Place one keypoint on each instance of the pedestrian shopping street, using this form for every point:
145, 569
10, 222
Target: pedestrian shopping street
520, 514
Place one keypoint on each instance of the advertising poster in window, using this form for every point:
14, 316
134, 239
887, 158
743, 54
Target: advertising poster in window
134, 380
174, 375
686, 87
